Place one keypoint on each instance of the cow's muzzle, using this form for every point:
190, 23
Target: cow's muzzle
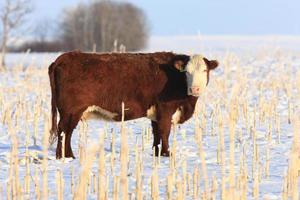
195, 91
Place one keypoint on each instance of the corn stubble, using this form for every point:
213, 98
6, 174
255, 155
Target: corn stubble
225, 113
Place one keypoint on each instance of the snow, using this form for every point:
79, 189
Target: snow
256, 59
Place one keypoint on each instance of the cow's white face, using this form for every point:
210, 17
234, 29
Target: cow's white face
197, 75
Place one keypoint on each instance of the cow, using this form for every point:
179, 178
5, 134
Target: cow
161, 86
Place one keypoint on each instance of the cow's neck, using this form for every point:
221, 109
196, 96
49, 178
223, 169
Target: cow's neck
193, 100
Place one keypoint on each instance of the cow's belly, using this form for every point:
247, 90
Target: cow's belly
96, 112
152, 113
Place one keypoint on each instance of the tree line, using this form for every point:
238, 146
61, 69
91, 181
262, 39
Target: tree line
101, 26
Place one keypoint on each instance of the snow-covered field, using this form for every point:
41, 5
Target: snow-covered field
255, 90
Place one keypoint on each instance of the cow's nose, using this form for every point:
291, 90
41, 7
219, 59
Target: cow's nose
195, 90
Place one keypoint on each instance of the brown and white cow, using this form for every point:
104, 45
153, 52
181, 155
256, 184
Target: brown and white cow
162, 86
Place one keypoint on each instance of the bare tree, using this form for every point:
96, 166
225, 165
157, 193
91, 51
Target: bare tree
73, 27
43, 29
104, 24
12, 16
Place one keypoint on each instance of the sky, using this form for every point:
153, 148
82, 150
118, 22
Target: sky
207, 17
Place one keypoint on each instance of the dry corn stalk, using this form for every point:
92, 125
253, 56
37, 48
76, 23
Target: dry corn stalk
124, 158
45, 160
203, 164
101, 170
81, 189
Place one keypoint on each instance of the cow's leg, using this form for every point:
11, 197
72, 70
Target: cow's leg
59, 143
67, 125
164, 128
62, 127
74, 119
156, 136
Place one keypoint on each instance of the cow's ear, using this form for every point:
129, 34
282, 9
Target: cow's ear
180, 62
211, 64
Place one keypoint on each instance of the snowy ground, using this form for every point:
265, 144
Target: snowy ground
272, 63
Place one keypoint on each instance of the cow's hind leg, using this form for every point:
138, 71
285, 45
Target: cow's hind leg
66, 124
62, 127
156, 136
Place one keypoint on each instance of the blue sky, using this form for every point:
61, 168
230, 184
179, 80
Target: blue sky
209, 17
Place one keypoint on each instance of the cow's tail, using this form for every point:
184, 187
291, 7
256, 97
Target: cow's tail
53, 131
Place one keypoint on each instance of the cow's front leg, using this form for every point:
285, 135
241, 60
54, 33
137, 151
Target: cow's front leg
156, 137
59, 144
164, 128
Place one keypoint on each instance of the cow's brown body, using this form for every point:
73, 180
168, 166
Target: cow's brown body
80, 80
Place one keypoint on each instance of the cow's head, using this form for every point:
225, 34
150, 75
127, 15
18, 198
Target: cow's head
197, 72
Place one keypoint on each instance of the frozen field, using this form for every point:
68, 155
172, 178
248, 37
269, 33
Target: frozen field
241, 143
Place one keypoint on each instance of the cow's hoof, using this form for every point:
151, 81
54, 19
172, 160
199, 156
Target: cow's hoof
165, 154
70, 156
59, 155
